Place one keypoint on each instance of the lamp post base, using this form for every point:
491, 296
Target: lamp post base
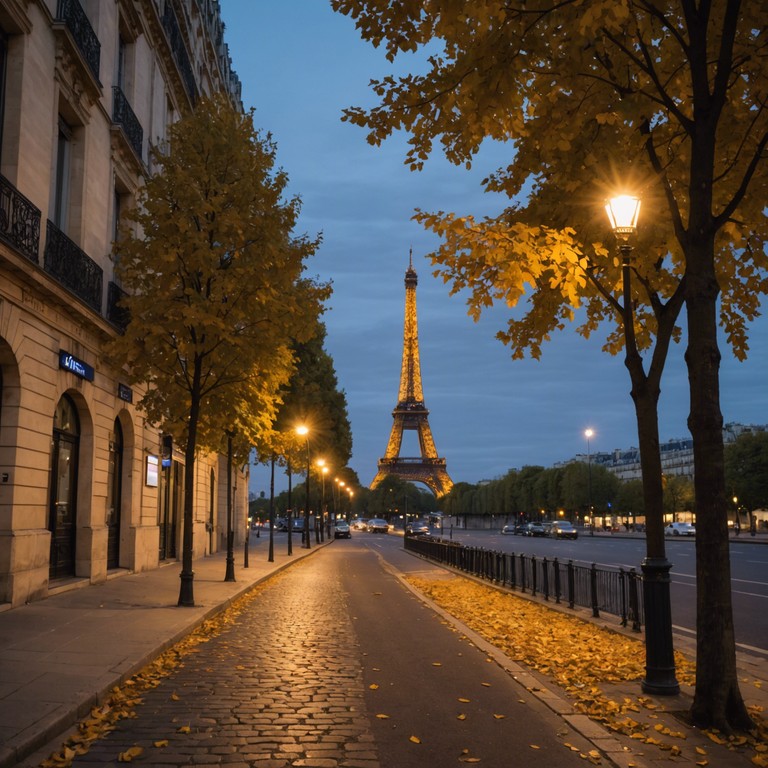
659, 649
186, 592
229, 575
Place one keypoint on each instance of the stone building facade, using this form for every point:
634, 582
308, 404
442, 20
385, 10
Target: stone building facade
87, 89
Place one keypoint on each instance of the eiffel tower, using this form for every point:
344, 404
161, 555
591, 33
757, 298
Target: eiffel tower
410, 412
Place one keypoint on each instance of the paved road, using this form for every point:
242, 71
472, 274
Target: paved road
300, 678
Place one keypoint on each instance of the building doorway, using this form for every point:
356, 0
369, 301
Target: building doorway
170, 508
62, 512
114, 496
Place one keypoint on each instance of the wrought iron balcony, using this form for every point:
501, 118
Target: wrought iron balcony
124, 116
19, 221
116, 314
72, 267
73, 15
179, 51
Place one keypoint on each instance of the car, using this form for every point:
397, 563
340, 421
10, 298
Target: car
535, 529
360, 525
680, 529
562, 529
417, 528
341, 530
377, 525
516, 529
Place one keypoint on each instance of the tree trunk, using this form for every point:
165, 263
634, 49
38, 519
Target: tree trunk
186, 589
717, 702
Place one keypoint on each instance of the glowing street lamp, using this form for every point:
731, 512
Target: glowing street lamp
623, 212
303, 431
588, 433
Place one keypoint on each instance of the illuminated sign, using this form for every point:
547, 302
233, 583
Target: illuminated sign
125, 393
70, 363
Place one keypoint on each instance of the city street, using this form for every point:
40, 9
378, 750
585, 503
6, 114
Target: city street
749, 573
336, 663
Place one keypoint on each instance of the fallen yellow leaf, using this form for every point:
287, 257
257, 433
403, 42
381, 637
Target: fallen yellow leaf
415, 739
499, 717
129, 754
184, 729
373, 686
161, 743
465, 701
534, 746
436, 664
383, 717
462, 716
701, 750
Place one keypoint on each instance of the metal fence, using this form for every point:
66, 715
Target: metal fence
611, 590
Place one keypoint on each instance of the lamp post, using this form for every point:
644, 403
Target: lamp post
324, 516
304, 432
351, 494
623, 212
230, 569
320, 518
588, 433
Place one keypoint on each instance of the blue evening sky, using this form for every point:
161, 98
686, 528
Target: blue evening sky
301, 65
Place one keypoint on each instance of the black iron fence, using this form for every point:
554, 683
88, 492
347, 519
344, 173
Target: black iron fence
617, 591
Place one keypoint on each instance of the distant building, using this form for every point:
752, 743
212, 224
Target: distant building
676, 455
87, 89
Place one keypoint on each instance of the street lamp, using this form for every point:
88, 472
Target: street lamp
588, 433
229, 574
304, 432
323, 511
623, 212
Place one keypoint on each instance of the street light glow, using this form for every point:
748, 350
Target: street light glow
302, 430
623, 212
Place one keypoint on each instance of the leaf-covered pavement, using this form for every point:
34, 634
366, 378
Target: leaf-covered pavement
589, 663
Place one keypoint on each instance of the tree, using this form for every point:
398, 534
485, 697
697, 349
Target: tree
313, 397
678, 494
746, 470
673, 92
215, 290
629, 499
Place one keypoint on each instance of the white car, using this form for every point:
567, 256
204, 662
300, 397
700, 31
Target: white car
680, 529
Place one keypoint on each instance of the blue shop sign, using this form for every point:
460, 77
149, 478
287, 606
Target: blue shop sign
70, 363
125, 393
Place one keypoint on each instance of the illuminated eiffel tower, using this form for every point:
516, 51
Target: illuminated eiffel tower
410, 412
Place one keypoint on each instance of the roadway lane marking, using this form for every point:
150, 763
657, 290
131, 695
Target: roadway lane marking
752, 648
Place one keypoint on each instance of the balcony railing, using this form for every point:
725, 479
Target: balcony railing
179, 51
72, 267
19, 221
124, 116
73, 15
116, 314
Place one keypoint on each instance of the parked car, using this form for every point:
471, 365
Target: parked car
535, 529
680, 529
341, 530
562, 529
417, 528
377, 525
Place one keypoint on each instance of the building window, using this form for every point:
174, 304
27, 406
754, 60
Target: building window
62, 179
